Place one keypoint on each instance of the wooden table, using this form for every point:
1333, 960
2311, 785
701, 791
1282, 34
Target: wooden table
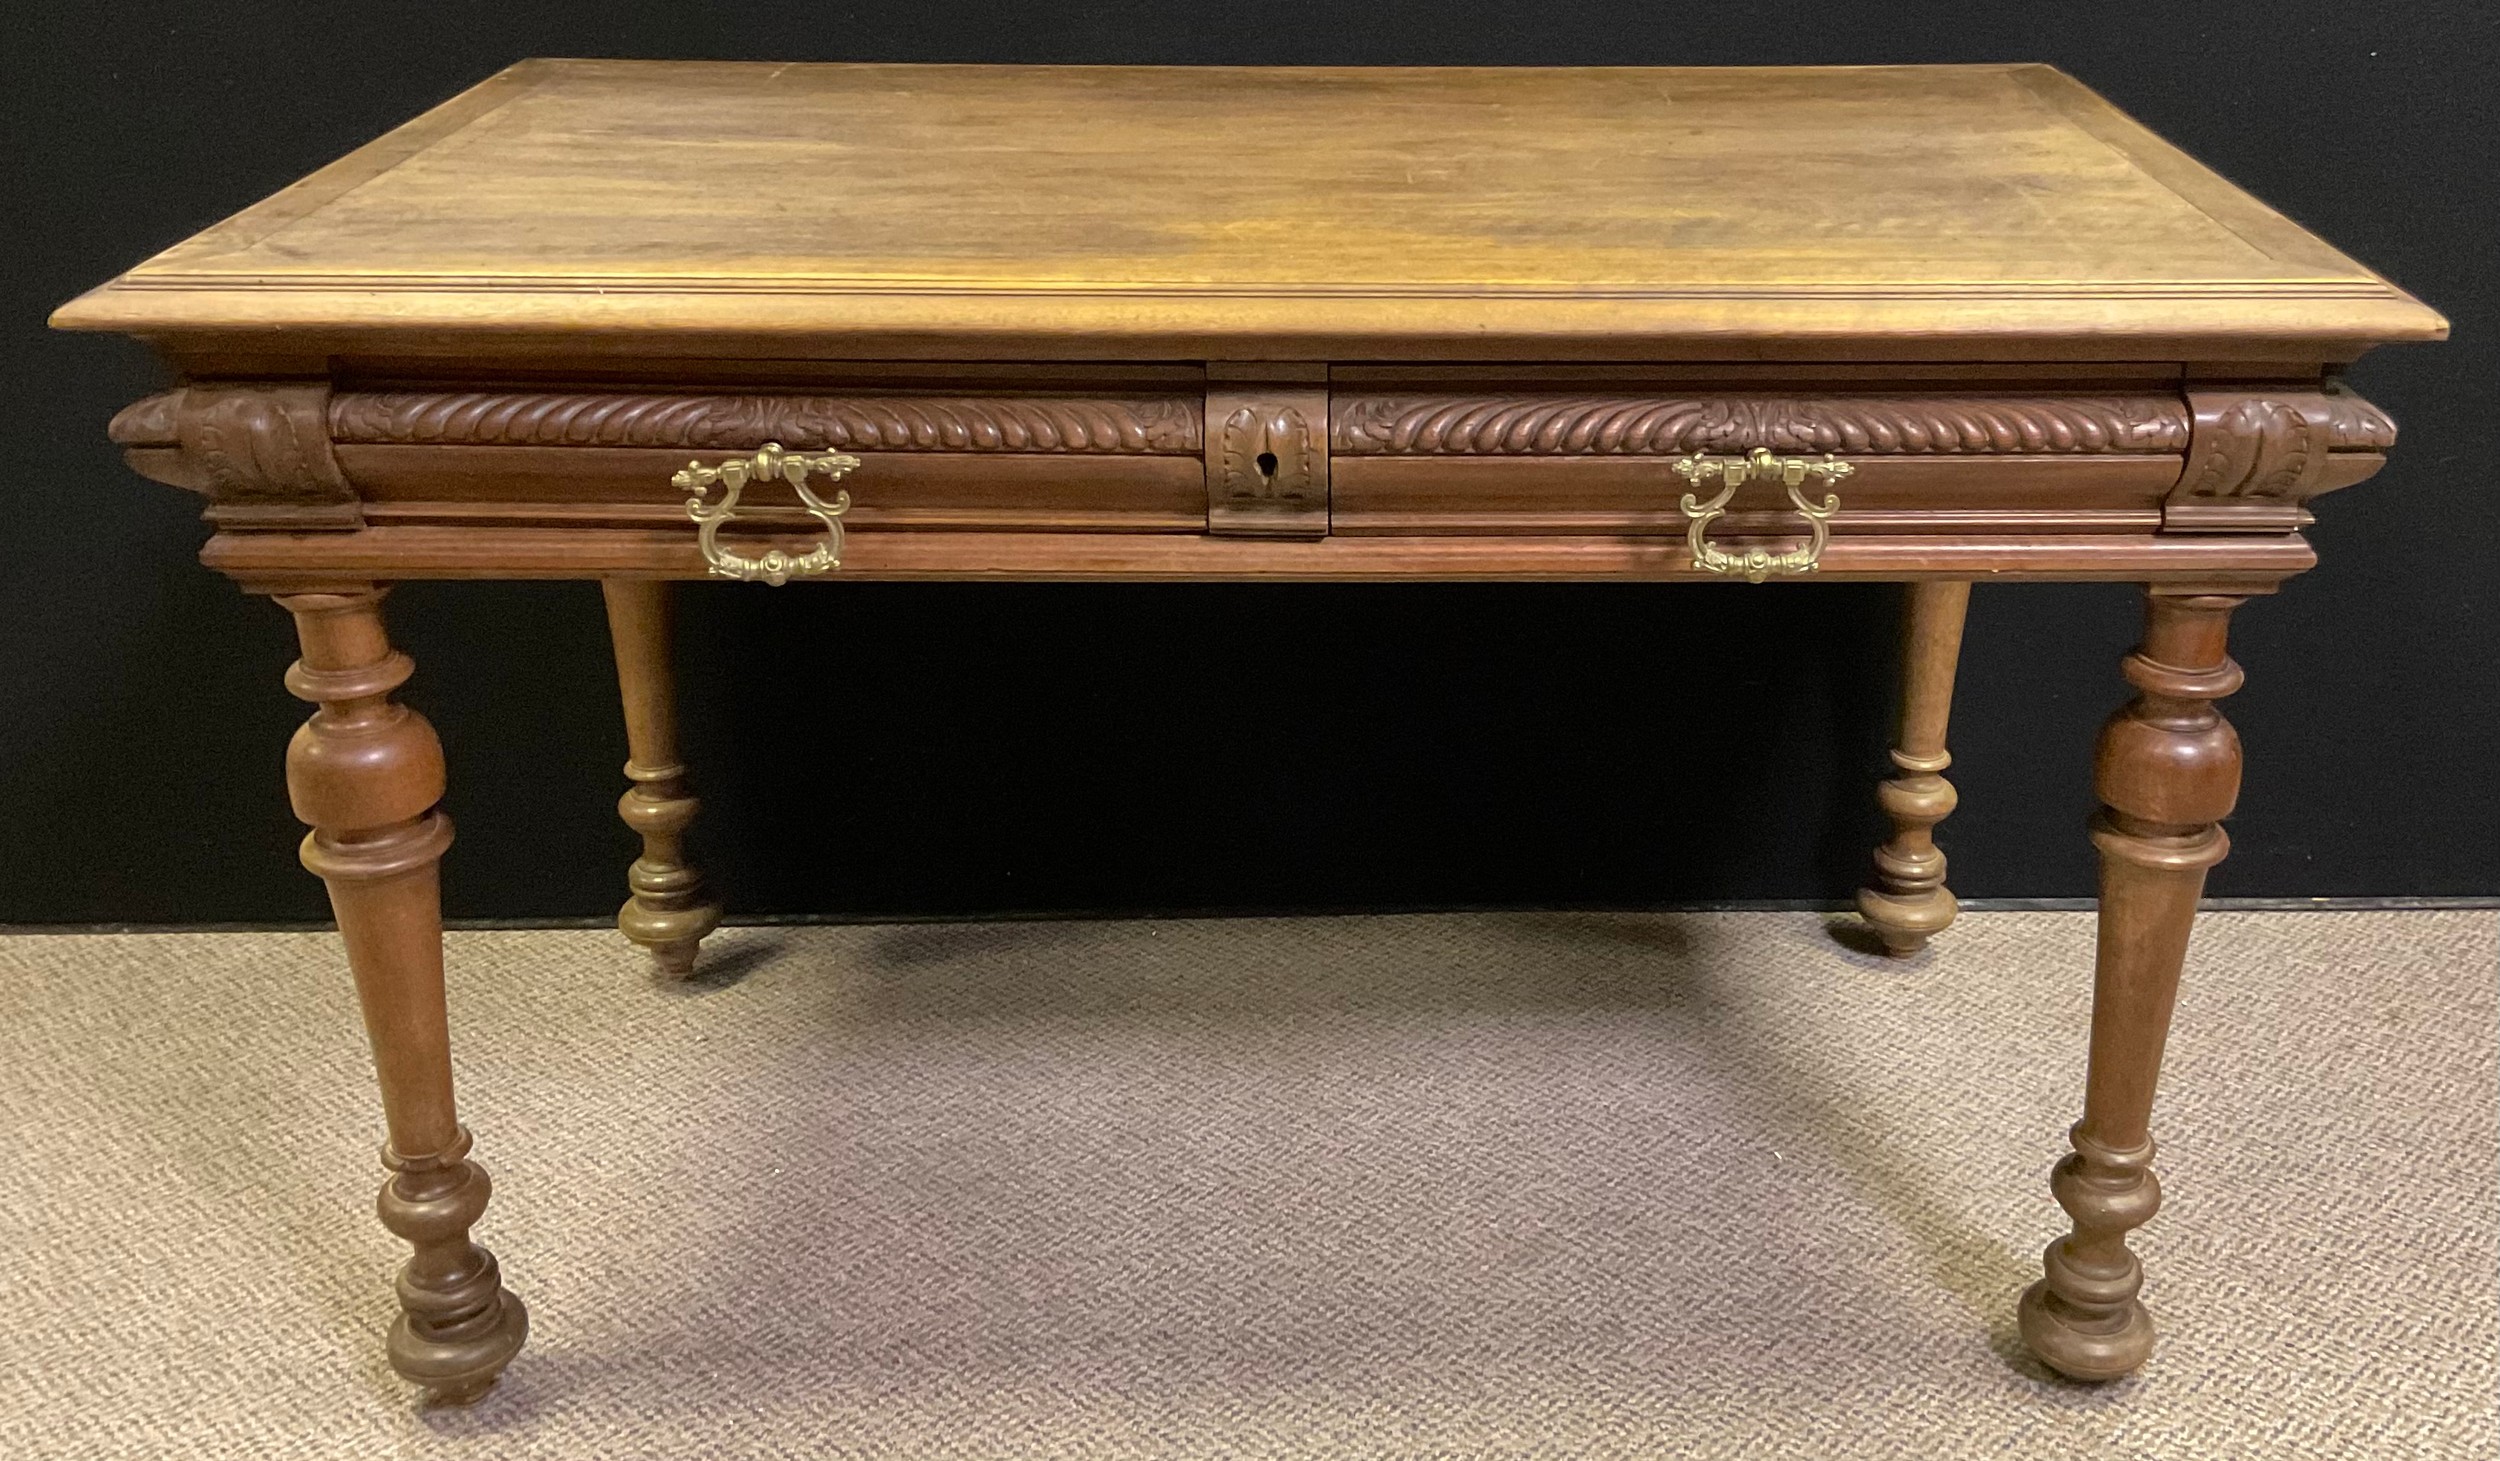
633, 322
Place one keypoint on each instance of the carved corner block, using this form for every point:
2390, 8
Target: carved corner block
2257, 454
1267, 463
259, 452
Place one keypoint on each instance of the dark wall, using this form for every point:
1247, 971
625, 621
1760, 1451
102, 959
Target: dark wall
928, 748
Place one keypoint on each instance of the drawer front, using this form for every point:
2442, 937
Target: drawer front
272, 455
1038, 462
1575, 461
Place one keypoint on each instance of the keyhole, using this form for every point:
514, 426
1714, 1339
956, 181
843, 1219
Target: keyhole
1267, 464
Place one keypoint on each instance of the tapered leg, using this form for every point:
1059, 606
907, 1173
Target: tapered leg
2167, 773
1909, 902
668, 912
366, 774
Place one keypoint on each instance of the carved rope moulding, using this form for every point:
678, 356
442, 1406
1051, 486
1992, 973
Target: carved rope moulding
1663, 426
1152, 425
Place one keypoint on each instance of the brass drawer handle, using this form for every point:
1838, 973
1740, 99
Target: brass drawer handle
774, 567
1792, 472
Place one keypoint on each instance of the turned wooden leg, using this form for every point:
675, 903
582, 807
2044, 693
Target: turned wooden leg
1909, 902
667, 912
366, 774
2167, 772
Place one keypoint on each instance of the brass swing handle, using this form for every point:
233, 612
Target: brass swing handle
775, 566
1754, 564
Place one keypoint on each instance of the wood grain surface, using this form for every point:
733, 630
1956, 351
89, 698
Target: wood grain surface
1937, 212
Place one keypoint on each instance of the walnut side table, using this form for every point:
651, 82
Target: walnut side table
644, 322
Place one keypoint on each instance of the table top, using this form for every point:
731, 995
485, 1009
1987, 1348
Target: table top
829, 210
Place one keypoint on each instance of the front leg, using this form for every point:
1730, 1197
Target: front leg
2167, 773
367, 773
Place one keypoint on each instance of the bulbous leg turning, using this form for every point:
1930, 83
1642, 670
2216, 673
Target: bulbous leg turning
2083, 1319
458, 1327
669, 912
366, 773
2167, 772
1908, 903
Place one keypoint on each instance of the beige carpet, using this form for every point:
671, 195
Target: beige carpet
1569, 1186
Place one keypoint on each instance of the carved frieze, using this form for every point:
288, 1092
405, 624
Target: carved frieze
2251, 453
1659, 425
1145, 425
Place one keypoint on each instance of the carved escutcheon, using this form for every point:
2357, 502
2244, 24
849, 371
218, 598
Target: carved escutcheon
1267, 469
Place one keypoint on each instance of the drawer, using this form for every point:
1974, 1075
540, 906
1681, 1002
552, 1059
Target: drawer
1980, 452
1037, 462
306, 456
1577, 460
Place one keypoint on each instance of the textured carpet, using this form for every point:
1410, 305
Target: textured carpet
1573, 1186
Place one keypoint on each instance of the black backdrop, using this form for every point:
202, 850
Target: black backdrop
893, 749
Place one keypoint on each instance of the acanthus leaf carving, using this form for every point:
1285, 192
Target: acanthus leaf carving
2353, 424
260, 451
1267, 463
1267, 455
2258, 448
2259, 452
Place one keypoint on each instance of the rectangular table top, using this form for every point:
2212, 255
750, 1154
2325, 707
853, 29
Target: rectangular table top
1998, 212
